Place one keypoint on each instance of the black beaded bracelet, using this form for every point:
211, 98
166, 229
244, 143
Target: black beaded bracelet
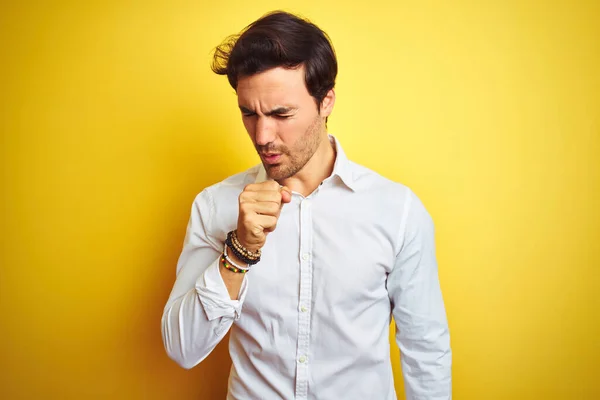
246, 256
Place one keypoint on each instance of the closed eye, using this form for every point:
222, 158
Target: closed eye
278, 113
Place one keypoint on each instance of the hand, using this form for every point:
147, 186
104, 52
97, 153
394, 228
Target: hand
260, 206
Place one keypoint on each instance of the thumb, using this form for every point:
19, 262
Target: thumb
286, 194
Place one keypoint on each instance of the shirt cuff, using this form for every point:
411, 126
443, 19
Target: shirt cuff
214, 296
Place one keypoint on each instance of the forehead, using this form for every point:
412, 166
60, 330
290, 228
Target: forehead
274, 85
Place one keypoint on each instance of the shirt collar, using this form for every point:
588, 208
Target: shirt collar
341, 167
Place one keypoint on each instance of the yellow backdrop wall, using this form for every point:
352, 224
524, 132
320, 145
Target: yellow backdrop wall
111, 122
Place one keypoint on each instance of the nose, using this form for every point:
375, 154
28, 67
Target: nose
264, 132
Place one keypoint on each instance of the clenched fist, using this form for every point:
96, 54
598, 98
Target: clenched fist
260, 206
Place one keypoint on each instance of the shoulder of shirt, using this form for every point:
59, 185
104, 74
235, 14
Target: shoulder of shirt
392, 195
401, 206
365, 179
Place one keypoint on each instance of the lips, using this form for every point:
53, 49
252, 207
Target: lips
271, 158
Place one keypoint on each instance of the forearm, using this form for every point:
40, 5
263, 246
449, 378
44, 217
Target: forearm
426, 365
233, 280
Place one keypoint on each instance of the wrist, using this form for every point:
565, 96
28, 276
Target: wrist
232, 266
248, 246
247, 256
231, 255
229, 275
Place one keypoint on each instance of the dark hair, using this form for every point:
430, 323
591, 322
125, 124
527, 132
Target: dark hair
279, 39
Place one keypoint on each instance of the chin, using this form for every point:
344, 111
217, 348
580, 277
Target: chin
277, 172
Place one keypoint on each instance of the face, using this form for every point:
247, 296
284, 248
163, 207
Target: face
282, 119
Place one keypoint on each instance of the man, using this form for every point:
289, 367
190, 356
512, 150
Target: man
306, 257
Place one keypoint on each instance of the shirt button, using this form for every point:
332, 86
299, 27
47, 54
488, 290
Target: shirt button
302, 359
303, 309
305, 256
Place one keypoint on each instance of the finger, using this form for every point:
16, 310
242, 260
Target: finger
261, 196
252, 187
286, 195
267, 222
270, 185
266, 185
265, 208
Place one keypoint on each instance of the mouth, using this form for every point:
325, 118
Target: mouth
271, 158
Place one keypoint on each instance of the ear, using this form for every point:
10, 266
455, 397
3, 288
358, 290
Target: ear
327, 103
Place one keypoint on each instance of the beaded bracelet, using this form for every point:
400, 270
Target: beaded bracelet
247, 256
250, 254
231, 267
231, 262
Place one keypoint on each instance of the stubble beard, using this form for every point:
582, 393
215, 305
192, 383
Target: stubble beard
306, 147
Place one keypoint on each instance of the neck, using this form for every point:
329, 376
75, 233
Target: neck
318, 168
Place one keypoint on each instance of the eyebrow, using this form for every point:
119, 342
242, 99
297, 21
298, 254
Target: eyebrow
275, 111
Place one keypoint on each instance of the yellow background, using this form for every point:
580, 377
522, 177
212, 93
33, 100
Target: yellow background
112, 122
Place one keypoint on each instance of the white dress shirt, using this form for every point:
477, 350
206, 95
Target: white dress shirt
312, 319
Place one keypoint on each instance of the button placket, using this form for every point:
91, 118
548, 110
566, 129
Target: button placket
305, 298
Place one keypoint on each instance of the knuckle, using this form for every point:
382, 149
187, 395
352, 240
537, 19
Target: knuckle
270, 185
248, 220
269, 208
275, 197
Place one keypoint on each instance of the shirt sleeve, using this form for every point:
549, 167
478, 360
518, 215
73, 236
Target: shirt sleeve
422, 330
199, 311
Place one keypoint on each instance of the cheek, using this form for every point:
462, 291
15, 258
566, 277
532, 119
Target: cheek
249, 125
291, 130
